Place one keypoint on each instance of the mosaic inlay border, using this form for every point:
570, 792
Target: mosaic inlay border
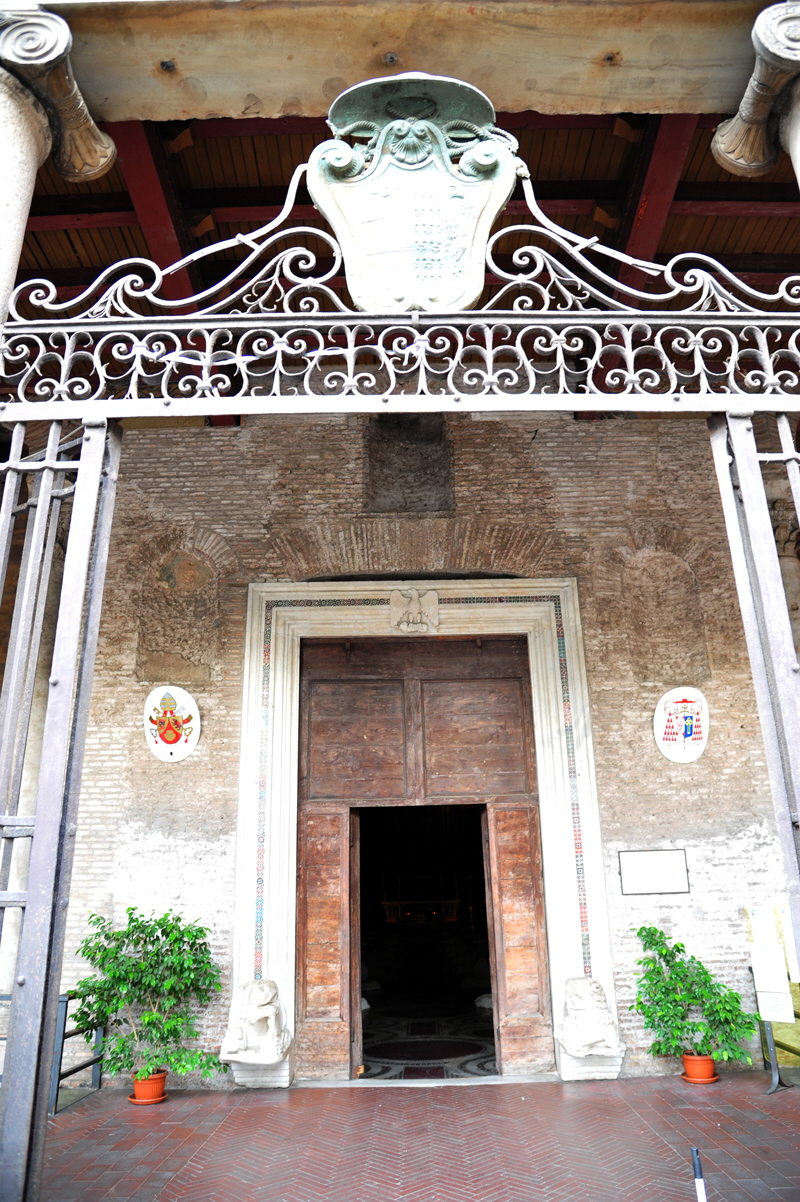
569, 737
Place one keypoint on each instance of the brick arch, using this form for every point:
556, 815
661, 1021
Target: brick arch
367, 546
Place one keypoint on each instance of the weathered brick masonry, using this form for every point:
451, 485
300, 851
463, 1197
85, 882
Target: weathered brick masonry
628, 507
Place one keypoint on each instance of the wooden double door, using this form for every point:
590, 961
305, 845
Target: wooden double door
419, 721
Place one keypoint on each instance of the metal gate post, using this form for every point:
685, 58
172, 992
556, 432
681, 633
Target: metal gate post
767, 627
26, 1077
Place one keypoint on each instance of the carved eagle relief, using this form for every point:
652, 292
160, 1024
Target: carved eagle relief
411, 612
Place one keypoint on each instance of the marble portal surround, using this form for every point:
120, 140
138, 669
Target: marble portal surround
547, 613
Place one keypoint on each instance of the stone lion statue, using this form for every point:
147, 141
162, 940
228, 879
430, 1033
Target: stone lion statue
256, 1033
588, 1028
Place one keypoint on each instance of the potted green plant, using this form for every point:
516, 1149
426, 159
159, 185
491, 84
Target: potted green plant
150, 976
692, 1014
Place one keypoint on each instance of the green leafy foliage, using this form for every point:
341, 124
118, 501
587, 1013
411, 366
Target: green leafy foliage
153, 973
685, 1007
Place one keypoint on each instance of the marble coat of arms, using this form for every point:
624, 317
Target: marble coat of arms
413, 196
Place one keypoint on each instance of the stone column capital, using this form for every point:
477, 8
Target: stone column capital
747, 144
35, 47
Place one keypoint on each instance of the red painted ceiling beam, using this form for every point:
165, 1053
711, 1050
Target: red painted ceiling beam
143, 163
652, 193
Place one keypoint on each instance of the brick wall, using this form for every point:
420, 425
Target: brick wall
628, 507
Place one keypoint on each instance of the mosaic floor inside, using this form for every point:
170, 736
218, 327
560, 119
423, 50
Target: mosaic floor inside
397, 1046
599, 1141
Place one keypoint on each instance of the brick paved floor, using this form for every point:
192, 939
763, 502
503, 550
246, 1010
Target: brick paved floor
593, 1142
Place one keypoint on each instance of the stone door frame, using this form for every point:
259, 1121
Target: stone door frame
545, 611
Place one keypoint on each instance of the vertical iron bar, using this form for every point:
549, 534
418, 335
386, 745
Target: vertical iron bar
24, 642
745, 576
112, 436
26, 704
792, 467
10, 499
58, 1053
30, 1027
97, 1047
23, 623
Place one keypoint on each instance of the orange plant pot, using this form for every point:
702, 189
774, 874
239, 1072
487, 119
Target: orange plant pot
149, 1090
698, 1070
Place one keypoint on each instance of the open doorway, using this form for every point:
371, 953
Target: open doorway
425, 959
411, 726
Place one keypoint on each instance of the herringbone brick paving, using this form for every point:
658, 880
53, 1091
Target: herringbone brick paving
623, 1141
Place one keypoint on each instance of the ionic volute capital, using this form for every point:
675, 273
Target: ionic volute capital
35, 47
747, 143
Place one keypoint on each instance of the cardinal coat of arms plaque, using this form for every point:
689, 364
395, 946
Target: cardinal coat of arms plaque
680, 724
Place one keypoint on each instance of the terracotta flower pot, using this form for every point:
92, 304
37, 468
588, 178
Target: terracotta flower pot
149, 1090
698, 1070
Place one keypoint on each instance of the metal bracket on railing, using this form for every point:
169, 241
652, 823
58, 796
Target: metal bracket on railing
777, 1080
62, 1034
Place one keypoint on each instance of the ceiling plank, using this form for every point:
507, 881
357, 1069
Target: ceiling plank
80, 221
735, 208
143, 162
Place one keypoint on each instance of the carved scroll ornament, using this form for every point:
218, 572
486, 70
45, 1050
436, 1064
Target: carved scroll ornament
747, 144
34, 47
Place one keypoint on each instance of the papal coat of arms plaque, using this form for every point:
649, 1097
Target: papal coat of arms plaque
413, 197
171, 723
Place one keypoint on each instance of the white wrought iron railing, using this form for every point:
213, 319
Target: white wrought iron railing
276, 329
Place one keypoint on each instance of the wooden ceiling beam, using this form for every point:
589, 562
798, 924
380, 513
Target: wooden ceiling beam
231, 127
143, 162
652, 190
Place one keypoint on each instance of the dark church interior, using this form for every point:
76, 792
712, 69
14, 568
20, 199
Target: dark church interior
425, 946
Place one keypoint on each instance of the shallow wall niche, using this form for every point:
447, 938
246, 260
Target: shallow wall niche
665, 630
179, 612
409, 464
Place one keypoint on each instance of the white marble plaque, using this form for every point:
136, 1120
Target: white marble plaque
680, 724
661, 871
171, 723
